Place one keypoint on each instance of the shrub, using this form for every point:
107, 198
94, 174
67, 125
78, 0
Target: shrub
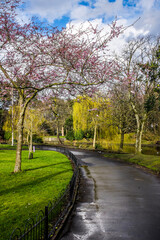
37, 139
88, 134
79, 134
7, 135
70, 135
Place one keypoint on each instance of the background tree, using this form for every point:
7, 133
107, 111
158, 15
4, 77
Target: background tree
93, 114
10, 122
3, 114
122, 112
139, 81
57, 111
32, 122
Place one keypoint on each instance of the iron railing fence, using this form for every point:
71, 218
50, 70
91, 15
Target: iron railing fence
48, 222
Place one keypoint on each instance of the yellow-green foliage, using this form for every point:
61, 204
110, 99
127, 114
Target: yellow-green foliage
113, 144
88, 112
80, 114
7, 127
33, 118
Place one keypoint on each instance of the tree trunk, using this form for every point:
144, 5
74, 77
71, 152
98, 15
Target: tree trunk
94, 138
140, 126
22, 109
140, 119
122, 139
20, 127
27, 137
31, 144
12, 121
59, 140
138, 146
62, 131
19, 142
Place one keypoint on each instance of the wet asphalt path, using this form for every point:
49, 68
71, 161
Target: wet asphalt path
116, 202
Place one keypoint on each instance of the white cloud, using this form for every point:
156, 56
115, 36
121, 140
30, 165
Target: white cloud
95, 11
80, 12
146, 4
148, 10
108, 8
51, 9
117, 44
22, 18
149, 21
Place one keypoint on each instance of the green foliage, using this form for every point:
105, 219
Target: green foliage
69, 123
150, 103
90, 112
88, 134
79, 134
46, 128
2, 119
70, 135
7, 135
37, 139
23, 194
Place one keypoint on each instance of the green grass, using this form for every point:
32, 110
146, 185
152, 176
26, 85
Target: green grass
150, 162
23, 194
7, 146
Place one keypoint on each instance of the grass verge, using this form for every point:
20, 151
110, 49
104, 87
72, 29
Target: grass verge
23, 194
148, 161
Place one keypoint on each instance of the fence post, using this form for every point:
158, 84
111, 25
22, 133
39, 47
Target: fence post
46, 224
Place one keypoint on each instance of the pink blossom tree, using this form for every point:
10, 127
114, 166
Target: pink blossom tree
34, 58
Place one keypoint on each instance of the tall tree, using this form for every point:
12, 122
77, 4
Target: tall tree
93, 113
122, 112
36, 58
57, 111
139, 79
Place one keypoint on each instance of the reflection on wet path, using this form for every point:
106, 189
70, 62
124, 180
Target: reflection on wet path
116, 202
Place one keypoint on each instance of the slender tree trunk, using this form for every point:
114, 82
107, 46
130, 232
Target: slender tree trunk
31, 143
58, 137
22, 109
140, 119
20, 136
94, 138
12, 121
27, 138
62, 131
138, 146
122, 126
122, 139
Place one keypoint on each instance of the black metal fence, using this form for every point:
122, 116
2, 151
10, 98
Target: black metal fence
48, 222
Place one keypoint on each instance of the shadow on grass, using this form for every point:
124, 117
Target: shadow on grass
32, 169
31, 183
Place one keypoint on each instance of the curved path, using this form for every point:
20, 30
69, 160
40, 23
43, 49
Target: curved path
117, 202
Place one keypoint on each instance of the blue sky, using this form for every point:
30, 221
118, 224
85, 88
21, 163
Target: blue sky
60, 12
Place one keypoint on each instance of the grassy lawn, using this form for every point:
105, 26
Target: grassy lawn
23, 194
149, 161
7, 146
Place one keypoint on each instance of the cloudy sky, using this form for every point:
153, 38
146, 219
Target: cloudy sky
60, 12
